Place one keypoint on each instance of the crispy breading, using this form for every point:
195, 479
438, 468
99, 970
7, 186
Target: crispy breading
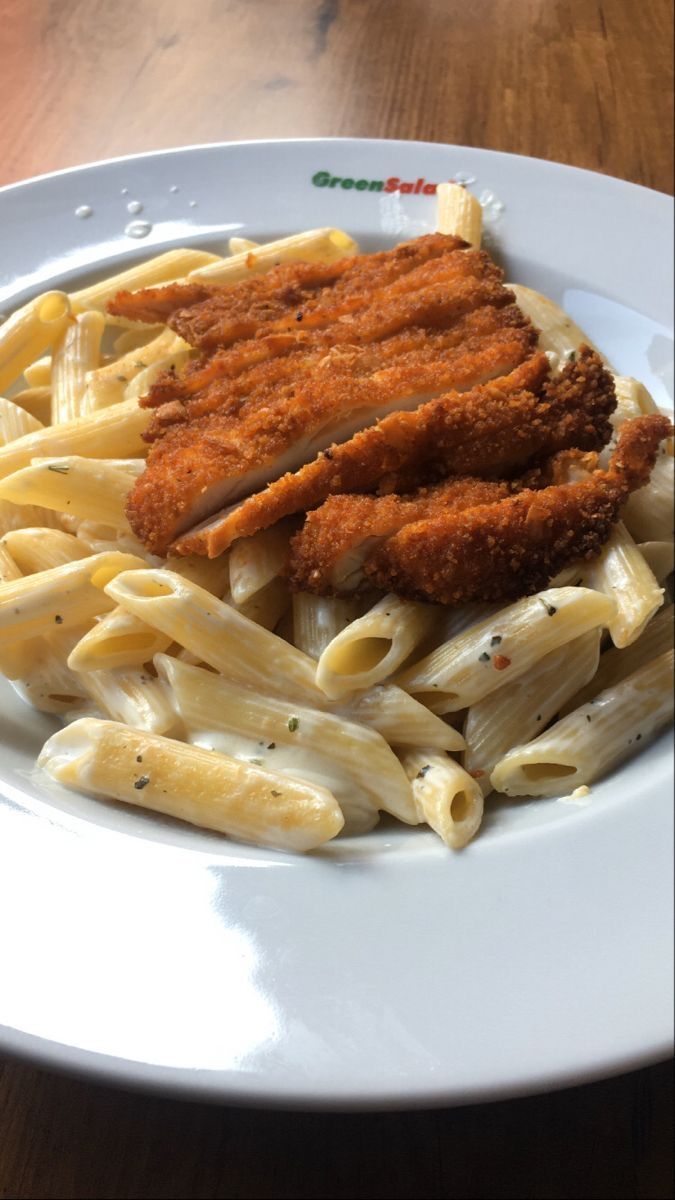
197, 467
327, 555
491, 430
514, 547
202, 311
303, 357
419, 355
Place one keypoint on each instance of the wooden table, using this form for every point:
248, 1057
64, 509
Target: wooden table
581, 82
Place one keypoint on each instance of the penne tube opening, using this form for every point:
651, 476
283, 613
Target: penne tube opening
372, 647
53, 307
446, 797
341, 240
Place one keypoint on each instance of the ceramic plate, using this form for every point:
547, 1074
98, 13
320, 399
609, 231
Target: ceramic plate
385, 971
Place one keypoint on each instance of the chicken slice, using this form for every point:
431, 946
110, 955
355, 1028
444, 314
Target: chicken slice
514, 547
491, 430
199, 466
329, 553
201, 311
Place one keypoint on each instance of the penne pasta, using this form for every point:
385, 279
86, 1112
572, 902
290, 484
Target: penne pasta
14, 658
45, 682
121, 639
135, 338
164, 268
373, 647
132, 696
402, 720
91, 488
109, 384
518, 711
9, 568
621, 572
616, 664
39, 373
116, 432
37, 402
313, 245
353, 762
61, 597
238, 245
632, 400
141, 383
595, 738
446, 797
19, 516
458, 212
217, 634
503, 647
267, 606
659, 557
558, 334
15, 421
30, 331
255, 561
118, 639
649, 514
41, 549
77, 353
318, 619
195, 785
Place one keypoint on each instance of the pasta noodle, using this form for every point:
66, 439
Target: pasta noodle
459, 212
210, 790
373, 646
595, 738
76, 354
502, 648
363, 773
316, 245
29, 332
446, 796
622, 573
518, 711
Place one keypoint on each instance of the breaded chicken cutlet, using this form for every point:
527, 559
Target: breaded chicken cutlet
461, 547
298, 360
494, 430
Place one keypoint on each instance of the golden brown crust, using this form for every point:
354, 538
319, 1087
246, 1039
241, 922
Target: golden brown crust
202, 311
512, 548
344, 524
492, 430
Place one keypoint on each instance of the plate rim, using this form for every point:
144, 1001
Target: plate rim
189, 147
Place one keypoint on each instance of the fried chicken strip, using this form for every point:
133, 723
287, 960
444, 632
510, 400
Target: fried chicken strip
212, 315
423, 359
514, 547
328, 554
342, 533
491, 430
206, 462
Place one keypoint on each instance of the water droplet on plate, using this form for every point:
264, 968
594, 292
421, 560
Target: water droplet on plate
138, 229
173, 188
124, 192
83, 210
193, 204
134, 206
464, 177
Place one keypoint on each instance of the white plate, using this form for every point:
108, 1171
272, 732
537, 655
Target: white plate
385, 971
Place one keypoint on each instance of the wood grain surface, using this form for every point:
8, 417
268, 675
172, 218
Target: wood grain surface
580, 82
